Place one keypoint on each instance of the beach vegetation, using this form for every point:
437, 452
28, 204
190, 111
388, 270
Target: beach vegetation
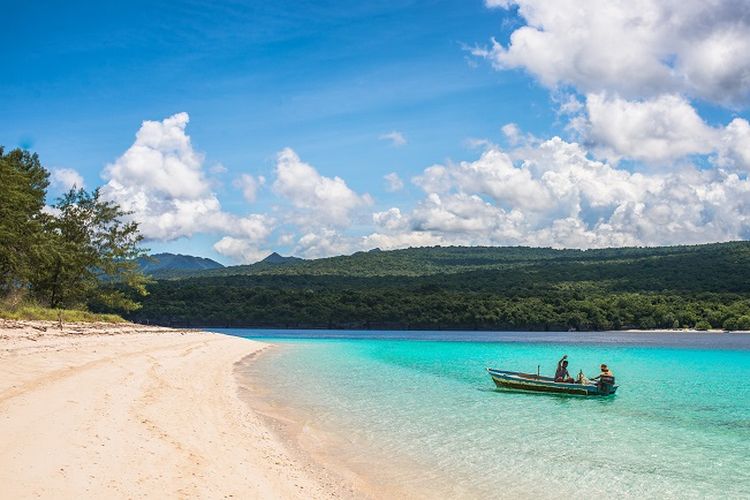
92, 253
77, 252
22, 238
30, 311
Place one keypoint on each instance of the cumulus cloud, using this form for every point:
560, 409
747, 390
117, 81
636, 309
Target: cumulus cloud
320, 200
734, 150
161, 180
638, 65
635, 48
663, 129
64, 179
396, 138
393, 182
494, 175
552, 193
249, 186
392, 241
240, 251
536, 192
324, 243
390, 219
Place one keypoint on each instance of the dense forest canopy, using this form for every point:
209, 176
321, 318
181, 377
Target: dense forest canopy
74, 253
701, 286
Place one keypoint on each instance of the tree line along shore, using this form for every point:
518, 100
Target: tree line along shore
78, 256
699, 287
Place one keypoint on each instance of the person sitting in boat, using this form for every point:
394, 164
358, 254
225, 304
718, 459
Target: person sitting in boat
561, 374
605, 377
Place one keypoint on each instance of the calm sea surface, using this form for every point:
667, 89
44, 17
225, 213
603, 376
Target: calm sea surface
421, 405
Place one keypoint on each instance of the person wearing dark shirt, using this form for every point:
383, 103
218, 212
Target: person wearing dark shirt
561, 374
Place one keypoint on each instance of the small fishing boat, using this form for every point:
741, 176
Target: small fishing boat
517, 381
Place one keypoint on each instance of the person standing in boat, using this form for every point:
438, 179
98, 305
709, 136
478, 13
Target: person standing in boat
561, 374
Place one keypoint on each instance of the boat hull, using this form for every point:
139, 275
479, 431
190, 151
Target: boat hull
525, 382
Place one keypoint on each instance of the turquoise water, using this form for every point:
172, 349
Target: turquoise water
679, 426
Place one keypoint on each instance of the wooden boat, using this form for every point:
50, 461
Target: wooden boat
517, 381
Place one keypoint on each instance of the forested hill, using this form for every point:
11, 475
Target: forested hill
452, 260
163, 265
699, 286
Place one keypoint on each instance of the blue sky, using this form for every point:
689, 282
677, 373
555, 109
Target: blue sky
328, 80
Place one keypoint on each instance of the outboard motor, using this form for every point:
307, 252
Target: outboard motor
605, 384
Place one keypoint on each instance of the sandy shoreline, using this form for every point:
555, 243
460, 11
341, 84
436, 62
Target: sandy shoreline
123, 411
330, 451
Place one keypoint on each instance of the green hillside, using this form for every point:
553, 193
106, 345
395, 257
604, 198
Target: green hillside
168, 265
703, 286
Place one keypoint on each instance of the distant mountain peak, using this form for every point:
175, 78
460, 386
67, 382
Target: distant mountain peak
276, 258
165, 263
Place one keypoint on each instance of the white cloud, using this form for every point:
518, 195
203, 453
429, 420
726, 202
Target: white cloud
635, 48
639, 64
661, 130
240, 251
249, 186
734, 148
494, 175
551, 193
476, 143
163, 159
568, 104
511, 132
160, 179
390, 219
285, 239
64, 179
396, 138
321, 200
392, 241
218, 169
393, 182
324, 243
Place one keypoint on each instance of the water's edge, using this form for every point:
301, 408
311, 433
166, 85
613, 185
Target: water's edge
323, 451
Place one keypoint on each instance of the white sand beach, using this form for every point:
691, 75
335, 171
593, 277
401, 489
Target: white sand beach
127, 411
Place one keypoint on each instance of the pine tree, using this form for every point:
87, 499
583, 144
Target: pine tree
92, 254
22, 239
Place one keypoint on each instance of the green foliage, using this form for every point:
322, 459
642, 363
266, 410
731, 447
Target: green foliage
92, 250
673, 265
471, 288
22, 248
77, 252
703, 325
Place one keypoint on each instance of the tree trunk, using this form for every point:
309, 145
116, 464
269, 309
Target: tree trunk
56, 285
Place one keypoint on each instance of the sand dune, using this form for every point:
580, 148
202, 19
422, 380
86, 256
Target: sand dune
129, 411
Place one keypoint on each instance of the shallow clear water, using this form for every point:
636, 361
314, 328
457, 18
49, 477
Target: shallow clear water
679, 426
